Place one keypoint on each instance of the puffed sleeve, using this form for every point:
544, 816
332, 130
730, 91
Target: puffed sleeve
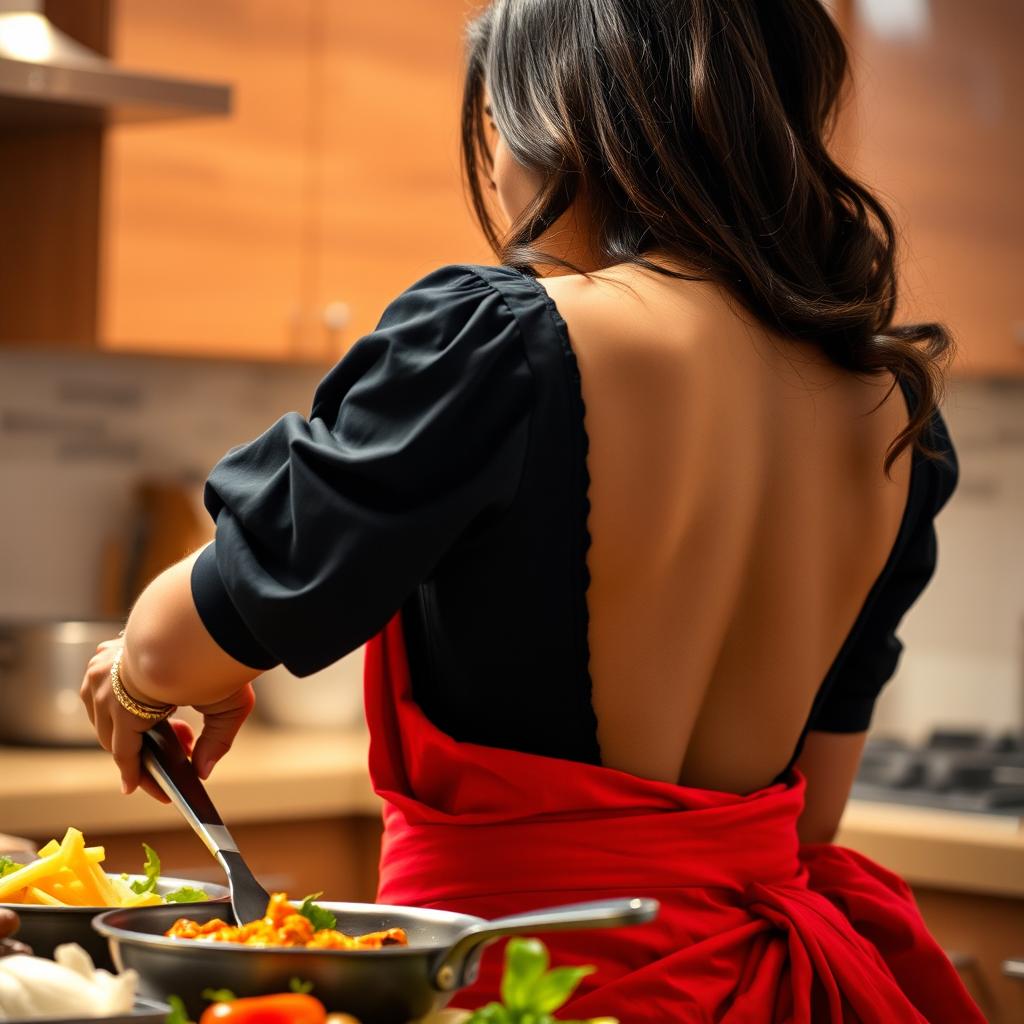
872, 651
325, 525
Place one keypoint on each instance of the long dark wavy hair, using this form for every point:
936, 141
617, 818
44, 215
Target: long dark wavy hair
700, 129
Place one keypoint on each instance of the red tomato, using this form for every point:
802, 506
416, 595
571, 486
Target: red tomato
283, 1009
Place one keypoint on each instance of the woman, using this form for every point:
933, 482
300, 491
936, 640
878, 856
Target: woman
627, 524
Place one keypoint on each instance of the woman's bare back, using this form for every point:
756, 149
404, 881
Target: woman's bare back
739, 517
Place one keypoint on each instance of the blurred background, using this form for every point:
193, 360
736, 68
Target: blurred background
204, 203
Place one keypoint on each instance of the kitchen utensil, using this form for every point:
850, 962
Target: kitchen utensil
167, 762
392, 985
45, 928
41, 670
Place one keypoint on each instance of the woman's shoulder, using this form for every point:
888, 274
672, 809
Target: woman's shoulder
455, 281
450, 331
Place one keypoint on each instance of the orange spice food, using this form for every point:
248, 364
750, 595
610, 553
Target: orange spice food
283, 925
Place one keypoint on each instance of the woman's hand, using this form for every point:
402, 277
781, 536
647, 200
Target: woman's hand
120, 732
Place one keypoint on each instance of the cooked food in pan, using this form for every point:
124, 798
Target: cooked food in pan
284, 924
69, 874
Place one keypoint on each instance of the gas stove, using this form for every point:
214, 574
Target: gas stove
954, 770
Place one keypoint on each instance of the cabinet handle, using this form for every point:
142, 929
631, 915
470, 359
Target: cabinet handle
1014, 968
336, 317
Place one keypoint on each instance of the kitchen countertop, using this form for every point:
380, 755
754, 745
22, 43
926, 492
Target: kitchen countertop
270, 774
279, 774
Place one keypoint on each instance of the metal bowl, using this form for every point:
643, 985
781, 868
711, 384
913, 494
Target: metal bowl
45, 928
41, 670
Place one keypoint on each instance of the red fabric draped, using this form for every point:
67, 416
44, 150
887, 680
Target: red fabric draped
753, 927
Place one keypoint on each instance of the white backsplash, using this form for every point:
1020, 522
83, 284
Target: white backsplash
78, 430
964, 658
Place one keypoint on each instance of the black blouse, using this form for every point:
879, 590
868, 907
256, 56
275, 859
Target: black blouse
442, 471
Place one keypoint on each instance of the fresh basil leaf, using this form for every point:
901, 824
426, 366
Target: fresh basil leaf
317, 916
151, 869
526, 960
186, 894
178, 1014
219, 995
7, 865
555, 988
492, 1013
300, 987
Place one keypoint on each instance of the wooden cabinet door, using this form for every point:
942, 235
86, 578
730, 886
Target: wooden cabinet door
389, 181
939, 109
206, 222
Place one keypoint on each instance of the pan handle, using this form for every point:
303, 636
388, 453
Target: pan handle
456, 967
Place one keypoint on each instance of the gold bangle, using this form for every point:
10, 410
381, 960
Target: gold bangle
151, 712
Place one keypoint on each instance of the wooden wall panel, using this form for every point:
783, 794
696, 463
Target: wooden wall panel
939, 114
206, 221
49, 234
390, 183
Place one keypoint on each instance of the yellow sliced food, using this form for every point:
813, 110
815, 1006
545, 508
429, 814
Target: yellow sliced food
29, 874
42, 897
69, 873
108, 898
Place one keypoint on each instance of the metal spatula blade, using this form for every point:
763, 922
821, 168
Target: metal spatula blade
165, 759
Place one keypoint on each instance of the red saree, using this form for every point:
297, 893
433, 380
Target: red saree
754, 928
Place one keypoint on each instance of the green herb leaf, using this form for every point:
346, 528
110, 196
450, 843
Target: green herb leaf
317, 916
7, 865
300, 987
526, 960
186, 894
492, 1013
219, 995
151, 869
178, 1014
529, 991
555, 988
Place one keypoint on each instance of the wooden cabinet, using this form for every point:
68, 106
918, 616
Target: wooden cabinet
937, 127
392, 204
205, 224
284, 230
279, 232
980, 933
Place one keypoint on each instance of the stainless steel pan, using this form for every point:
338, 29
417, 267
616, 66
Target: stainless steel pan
393, 985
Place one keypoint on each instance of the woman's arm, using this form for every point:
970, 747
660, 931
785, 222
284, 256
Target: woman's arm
829, 760
168, 654
168, 658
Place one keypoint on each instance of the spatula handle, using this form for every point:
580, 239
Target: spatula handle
165, 759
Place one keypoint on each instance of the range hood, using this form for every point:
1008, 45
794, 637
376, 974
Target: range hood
48, 77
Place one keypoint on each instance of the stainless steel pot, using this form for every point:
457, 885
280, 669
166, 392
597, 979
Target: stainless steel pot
41, 670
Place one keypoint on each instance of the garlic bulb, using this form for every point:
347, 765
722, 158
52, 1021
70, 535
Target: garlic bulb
31, 986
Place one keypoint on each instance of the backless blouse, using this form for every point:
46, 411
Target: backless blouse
442, 472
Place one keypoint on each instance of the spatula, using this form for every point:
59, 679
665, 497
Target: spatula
165, 759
